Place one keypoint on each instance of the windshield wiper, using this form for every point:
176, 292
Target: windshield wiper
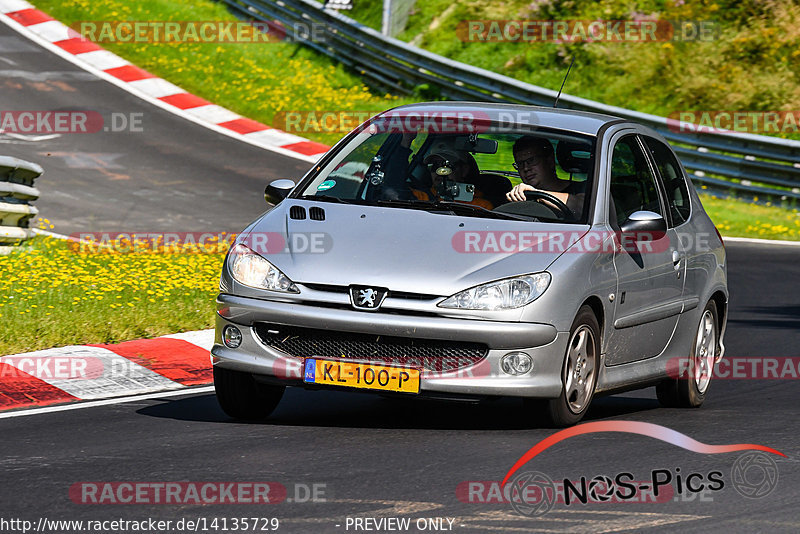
410, 204
461, 208
326, 198
452, 207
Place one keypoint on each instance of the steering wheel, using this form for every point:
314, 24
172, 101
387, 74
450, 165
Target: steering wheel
550, 201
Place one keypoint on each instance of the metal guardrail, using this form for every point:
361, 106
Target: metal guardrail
16, 195
727, 163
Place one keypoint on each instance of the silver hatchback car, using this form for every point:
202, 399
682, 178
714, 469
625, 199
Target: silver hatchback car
468, 250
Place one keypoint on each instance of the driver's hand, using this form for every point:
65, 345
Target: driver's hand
517, 194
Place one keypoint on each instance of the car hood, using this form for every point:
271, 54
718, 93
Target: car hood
404, 250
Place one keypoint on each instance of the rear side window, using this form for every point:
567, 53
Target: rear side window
633, 186
674, 181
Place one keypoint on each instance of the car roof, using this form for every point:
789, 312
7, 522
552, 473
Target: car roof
562, 119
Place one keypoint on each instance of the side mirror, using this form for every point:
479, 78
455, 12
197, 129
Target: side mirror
277, 190
645, 226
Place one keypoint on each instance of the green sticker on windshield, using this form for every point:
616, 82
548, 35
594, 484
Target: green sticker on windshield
327, 184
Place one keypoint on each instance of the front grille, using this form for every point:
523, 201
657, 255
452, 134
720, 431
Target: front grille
427, 354
393, 294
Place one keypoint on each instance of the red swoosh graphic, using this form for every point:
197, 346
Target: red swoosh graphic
633, 427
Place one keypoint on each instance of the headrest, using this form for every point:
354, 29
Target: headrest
574, 158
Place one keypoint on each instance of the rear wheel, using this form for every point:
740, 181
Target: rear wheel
241, 397
689, 389
579, 374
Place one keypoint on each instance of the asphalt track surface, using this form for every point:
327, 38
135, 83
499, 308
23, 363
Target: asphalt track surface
372, 457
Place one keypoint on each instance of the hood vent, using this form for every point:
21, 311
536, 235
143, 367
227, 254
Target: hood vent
297, 212
316, 214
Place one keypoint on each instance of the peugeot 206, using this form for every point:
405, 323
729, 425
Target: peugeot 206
474, 251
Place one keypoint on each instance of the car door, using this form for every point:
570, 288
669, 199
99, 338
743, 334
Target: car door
650, 275
679, 206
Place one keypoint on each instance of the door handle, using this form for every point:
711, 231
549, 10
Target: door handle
676, 259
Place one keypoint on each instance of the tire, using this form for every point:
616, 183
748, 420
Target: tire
241, 397
689, 390
582, 357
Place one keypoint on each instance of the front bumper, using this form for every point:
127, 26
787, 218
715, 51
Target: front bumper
542, 342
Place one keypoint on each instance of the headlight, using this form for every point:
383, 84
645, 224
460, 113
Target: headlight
252, 270
500, 295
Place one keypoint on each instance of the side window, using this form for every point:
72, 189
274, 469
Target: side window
633, 186
674, 181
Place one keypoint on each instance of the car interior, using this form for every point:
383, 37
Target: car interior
374, 171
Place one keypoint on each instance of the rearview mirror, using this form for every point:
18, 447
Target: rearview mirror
478, 145
277, 190
645, 223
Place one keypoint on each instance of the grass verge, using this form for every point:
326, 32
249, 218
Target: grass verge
736, 218
52, 295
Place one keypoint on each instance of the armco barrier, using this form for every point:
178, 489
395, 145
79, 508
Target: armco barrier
727, 163
16, 194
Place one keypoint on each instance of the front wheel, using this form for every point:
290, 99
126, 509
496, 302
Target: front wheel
689, 390
579, 375
241, 397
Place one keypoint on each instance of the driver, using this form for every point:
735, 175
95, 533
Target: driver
535, 161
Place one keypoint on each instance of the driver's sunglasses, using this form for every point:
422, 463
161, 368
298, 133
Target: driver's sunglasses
530, 162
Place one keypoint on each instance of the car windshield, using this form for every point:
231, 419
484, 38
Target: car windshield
540, 175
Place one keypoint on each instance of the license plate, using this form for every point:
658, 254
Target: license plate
361, 375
